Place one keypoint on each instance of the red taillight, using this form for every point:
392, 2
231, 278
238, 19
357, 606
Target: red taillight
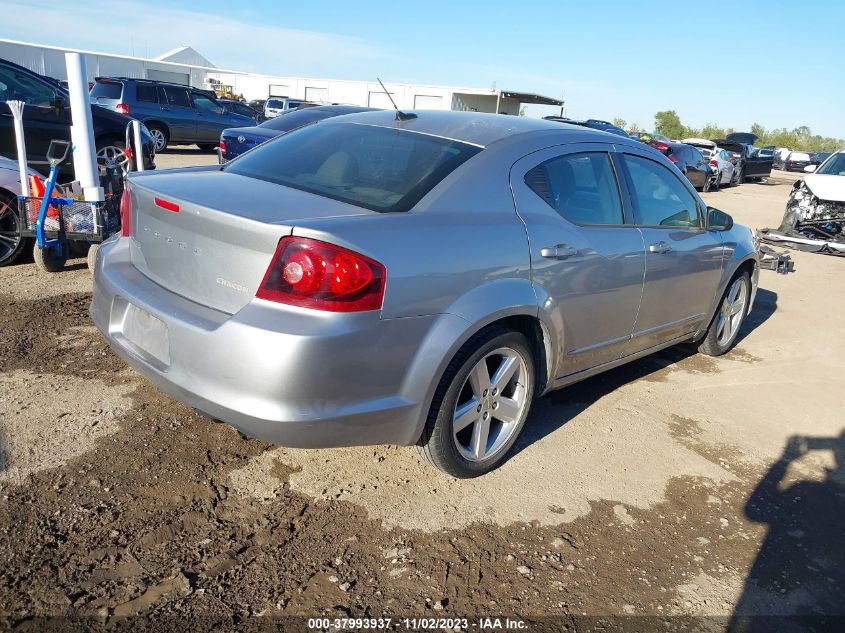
222, 146
714, 162
125, 213
166, 204
672, 158
660, 147
322, 276
123, 108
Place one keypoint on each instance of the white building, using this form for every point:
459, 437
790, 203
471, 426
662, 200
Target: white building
187, 66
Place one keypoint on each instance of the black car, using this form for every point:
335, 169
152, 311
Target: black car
749, 164
239, 107
691, 163
47, 116
594, 124
236, 141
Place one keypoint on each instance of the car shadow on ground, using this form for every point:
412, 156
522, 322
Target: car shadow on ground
557, 408
798, 577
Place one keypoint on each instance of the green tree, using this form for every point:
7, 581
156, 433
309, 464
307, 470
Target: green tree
620, 123
668, 123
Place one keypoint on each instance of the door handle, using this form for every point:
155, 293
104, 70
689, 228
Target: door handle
660, 247
561, 251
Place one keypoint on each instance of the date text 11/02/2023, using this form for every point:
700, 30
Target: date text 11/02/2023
416, 624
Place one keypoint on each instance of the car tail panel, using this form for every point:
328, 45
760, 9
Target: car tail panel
210, 245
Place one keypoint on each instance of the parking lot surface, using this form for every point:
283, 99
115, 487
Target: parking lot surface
667, 486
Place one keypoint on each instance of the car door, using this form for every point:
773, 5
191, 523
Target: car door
211, 118
44, 118
683, 260
179, 113
587, 258
757, 166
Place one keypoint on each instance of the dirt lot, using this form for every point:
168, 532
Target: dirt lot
668, 487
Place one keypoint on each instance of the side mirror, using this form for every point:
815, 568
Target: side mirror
810, 168
718, 220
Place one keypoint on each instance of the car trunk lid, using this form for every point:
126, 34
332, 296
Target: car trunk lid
209, 236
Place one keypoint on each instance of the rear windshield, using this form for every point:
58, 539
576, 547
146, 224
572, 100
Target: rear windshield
275, 103
296, 118
383, 169
107, 90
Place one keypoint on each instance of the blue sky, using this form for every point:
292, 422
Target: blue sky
777, 63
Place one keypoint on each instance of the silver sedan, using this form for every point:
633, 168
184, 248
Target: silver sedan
414, 279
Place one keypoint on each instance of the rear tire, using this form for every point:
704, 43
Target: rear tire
159, 135
47, 260
723, 330
489, 413
11, 242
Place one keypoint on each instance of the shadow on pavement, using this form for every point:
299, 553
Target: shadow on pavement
799, 574
552, 411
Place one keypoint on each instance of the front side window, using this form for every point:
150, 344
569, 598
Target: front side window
834, 165
661, 199
201, 102
582, 188
378, 168
16, 86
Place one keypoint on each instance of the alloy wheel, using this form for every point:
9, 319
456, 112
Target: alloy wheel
112, 156
732, 312
159, 138
10, 231
490, 405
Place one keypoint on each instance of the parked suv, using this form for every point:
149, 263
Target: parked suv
46, 116
173, 113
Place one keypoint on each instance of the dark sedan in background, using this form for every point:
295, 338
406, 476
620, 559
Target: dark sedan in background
236, 141
797, 161
750, 165
691, 163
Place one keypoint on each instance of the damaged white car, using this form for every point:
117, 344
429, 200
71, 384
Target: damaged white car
815, 212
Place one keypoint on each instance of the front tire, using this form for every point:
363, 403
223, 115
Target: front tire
481, 404
47, 260
723, 330
159, 136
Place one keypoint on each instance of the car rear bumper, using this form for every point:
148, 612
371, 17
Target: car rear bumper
291, 376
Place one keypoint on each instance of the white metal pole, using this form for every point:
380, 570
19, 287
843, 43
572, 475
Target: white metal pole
82, 130
17, 112
139, 149
498, 98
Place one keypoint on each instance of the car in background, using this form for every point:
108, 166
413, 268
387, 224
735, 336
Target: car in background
593, 124
236, 141
239, 107
279, 105
819, 157
46, 116
373, 279
779, 157
173, 113
797, 161
719, 160
693, 165
748, 166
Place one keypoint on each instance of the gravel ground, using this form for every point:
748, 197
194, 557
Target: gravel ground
668, 487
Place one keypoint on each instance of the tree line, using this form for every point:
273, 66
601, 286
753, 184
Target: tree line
669, 124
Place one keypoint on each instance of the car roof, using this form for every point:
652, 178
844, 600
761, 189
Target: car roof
469, 127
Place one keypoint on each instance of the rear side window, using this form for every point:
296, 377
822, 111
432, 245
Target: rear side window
146, 93
582, 188
383, 169
107, 90
177, 97
661, 199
